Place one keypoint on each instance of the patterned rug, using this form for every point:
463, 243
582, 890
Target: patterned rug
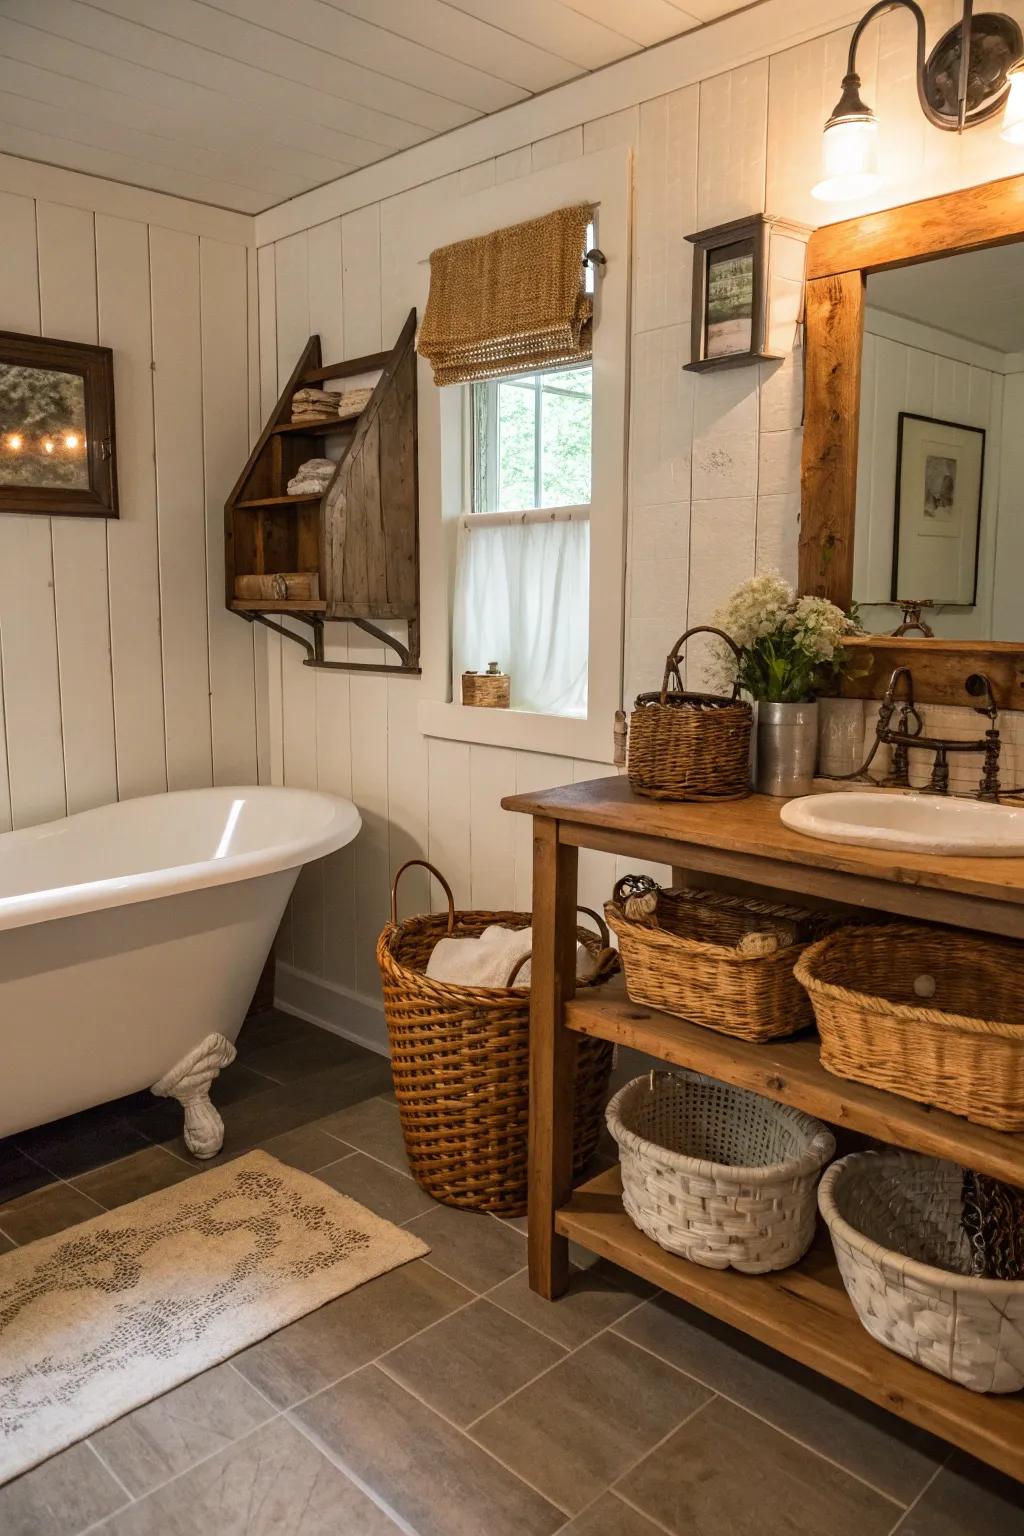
108, 1315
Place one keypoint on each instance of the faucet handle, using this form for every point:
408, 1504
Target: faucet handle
978, 686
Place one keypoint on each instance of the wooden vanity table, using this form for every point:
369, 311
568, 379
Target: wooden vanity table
803, 1312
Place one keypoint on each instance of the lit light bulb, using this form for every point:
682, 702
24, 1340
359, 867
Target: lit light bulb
849, 149
71, 440
1013, 113
47, 444
15, 441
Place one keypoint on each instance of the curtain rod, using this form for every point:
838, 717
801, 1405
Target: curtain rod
536, 515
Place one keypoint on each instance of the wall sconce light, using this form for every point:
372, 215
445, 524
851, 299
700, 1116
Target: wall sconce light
974, 69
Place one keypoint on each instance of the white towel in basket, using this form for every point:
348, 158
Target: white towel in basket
489, 960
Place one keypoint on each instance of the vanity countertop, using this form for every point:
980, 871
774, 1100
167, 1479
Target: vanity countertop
746, 840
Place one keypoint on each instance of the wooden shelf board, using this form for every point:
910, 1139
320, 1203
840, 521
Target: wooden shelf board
316, 428
280, 501
804, 1313
790, 1072
279, 605
371, 363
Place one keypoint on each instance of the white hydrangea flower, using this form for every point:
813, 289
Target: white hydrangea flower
766, 605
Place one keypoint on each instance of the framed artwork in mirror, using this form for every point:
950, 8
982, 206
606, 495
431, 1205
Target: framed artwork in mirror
56, 428
939, 476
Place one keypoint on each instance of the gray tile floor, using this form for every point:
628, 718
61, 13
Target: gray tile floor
445, 1399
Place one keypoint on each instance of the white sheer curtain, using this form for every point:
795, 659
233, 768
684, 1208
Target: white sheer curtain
522, 598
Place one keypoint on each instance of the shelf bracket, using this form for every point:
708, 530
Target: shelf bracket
408, 656
289, 634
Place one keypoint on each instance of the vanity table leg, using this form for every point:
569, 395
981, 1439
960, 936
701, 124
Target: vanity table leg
552, 1054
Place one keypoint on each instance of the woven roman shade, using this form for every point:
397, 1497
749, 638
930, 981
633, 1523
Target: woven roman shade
509, 301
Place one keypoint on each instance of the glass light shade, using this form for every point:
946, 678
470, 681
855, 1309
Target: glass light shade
1013, 112
849, 160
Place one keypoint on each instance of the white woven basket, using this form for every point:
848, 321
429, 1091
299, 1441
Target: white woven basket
894, 1219
717, 1174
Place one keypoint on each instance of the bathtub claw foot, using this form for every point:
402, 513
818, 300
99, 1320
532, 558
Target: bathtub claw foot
189, 1083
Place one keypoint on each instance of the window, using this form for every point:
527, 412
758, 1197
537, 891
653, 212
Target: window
522, 590
534, 581
531, 441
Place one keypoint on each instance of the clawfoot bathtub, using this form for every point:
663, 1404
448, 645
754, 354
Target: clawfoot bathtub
132, 938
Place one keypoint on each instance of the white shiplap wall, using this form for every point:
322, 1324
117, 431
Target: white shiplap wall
714, 459
121, 672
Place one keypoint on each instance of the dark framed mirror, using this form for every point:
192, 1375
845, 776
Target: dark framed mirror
57, 453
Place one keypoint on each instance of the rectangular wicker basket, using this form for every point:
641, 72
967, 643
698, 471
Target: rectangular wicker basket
933, 1014
722, 961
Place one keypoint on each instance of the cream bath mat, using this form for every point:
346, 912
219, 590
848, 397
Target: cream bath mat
107, 1315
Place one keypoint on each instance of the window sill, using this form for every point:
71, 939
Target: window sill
518, 730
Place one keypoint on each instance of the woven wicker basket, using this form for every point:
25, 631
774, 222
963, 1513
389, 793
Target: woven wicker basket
700, 958
717, 1174
460, 1062
894, 1220
928, 1013
690, 746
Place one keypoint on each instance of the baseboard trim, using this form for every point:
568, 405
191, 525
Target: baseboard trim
350, 1014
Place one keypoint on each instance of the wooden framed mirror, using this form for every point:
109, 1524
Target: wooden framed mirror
913, 451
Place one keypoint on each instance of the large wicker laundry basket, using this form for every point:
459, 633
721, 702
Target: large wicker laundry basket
460, 1061
895, 1222
723, 1177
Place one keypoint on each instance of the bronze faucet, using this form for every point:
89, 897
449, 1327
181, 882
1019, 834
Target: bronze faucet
907, 734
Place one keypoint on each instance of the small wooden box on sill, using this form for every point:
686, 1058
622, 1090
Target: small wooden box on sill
351, 553
487, 690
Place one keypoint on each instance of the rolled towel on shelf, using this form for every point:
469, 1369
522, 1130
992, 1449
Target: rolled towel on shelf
491, 959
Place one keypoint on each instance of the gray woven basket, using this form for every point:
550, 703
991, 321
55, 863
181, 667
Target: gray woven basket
718, 1175
894, 1220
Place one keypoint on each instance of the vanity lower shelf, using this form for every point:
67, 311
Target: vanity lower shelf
804, 1313
790, 1072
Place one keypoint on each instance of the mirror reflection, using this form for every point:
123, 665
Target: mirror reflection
940, 481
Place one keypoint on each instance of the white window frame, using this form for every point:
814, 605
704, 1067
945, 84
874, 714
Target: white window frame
605, 179
473, 484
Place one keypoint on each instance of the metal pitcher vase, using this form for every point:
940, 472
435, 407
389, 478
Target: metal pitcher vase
787, 748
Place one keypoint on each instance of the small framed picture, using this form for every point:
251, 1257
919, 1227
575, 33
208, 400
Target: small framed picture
939, 481
56, 428
729, 299
739, 268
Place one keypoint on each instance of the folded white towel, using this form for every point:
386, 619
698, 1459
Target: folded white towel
490, 960
314, 475
316, 397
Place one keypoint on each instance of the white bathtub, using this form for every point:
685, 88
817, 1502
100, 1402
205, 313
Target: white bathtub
131, 933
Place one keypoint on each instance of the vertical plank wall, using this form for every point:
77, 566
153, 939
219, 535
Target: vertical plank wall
713, 470
120, 672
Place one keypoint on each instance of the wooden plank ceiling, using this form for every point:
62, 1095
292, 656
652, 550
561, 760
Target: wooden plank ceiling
245, 103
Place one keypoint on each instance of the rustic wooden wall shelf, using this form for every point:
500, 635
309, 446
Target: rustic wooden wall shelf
358, 543
802, 1311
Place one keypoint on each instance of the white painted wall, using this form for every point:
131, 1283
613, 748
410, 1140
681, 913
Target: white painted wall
120, 672
916, 368
724, 123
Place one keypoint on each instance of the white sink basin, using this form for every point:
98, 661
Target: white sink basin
913, 823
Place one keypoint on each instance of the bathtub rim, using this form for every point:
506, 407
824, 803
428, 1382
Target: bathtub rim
24, 910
